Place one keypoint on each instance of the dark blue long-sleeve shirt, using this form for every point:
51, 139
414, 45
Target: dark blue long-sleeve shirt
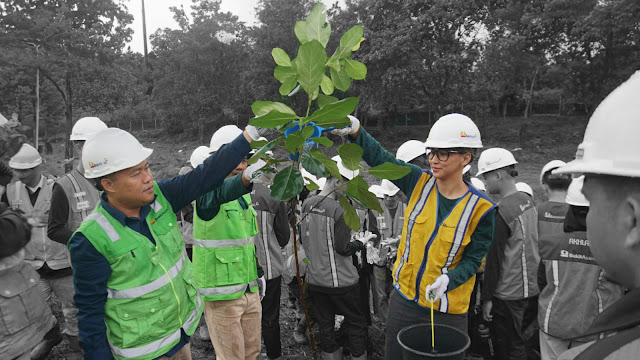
91, 270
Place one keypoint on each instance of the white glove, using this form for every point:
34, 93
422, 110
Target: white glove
253, 174
438, 288
255, 133
350, 129
262, 287
366, 237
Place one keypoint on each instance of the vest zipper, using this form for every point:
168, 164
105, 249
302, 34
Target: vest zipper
173, 288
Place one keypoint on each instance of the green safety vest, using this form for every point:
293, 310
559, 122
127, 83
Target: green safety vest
151, 295
224, 253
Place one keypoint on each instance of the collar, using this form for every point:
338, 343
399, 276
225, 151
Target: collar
622, 314
38, 186
119, 215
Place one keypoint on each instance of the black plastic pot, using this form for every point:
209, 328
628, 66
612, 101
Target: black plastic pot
450, 343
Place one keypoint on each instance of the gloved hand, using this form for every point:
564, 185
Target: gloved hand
262, 287
366, 237
350, 129
253, 174
255, 132
438, 288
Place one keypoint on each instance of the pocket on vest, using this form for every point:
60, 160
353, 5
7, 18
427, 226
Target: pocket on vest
140, 322
230, 266
20, 305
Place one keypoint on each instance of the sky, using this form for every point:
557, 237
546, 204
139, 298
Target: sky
159, 16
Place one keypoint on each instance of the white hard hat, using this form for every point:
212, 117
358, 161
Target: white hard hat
610, 145
574, 193
319, 181
349, 174
551, 165
199, 155
454, 131
478, 184
377, 191
389, 188
26, 158
224, 135
110, 151
466, 169
525, 188
410, 150
86, 127
495, 158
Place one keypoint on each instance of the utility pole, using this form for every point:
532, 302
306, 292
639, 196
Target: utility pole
37, 134
144, 35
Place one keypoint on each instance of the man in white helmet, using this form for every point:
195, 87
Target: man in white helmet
413, 152
227, 270
31, 194
510, 281
607, 157
441, 273
73, 199
574, 289
135, 288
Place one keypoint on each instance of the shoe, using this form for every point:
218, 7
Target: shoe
361, 357
51, 339
299, 337
336, 355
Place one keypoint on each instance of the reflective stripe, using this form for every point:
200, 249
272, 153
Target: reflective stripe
156, 206
221, 243
150, 287
159, 344
426, 190
525, 277
600, 308
105, 225
444, 303
332, 256
84, 213
224, 290
462, 224
556, 282
264, 233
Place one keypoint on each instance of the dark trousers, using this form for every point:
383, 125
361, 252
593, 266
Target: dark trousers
327, 302
271, 318
510, 319
403, 313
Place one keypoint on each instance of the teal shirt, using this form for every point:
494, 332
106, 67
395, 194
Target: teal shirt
482, 237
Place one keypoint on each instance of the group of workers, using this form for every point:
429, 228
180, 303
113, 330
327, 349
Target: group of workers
136, 263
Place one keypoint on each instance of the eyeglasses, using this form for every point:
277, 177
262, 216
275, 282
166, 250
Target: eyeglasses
442, 154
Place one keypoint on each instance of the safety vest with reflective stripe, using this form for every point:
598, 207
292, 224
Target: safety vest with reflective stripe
576, 290
267, 246
151, 293
40, 249
519, 268
82, 197
224, 254
428, 249
327, 268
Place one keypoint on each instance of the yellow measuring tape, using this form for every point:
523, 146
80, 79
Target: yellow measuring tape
433, 338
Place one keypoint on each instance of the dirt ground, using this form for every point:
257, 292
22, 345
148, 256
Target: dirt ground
546, 138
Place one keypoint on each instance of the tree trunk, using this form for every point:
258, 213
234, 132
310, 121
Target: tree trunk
68, 166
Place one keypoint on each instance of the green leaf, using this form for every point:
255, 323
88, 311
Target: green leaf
261, 153
307, 132
330, 165
334, 114
359, 189
389, 171
333, 63
294, 142
284, 73
317, 26
262, 107
351, 154
288, 86
340, 79
322, 141
313, 165
357, 47
311, 185
301, 31
287, 184
348, 41
326, 85
280, 57
272, 119
355, 69
324, 100
350, 215
257, 144
310, 65
315, 94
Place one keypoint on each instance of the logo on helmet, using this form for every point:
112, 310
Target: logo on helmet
465, 135
95, 165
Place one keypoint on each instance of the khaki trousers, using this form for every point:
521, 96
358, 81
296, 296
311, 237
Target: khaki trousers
183, 354
234, 326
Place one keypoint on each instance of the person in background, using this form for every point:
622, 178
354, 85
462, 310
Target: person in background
5, 178
28, 330
273, 235
185, 220
413, 152
525, 188
510, 284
